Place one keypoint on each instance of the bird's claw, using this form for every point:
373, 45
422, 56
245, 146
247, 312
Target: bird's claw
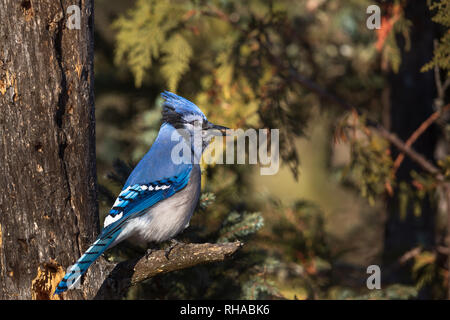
173, 244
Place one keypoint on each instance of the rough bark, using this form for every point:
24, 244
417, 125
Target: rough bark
48, 207
412, 95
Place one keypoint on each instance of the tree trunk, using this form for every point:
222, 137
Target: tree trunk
412, 94
48, 206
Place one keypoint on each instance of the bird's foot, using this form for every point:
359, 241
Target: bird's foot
151, 248
173, 244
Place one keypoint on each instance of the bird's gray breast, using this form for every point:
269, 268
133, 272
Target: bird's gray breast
168, 217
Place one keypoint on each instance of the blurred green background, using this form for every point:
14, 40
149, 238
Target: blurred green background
312, 229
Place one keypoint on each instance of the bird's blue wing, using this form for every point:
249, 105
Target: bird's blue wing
136, 198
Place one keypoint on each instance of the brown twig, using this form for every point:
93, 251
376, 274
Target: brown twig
417, 133
411, 254
411, 153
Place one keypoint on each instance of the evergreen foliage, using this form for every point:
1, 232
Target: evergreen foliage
237, 226
145, 34
441, 57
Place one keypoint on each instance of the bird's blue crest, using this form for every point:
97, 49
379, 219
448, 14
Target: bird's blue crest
180, 104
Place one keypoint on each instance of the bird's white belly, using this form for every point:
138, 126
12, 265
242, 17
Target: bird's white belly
167, 218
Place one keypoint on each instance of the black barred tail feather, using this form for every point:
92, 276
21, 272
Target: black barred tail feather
73, 276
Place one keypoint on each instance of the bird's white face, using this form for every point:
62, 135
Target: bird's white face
192, 122
197, 126
192, 125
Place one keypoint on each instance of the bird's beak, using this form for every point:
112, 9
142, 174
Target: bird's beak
222, 129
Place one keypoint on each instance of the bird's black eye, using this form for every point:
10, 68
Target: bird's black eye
195, 123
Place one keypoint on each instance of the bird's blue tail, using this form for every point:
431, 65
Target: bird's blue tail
75, 272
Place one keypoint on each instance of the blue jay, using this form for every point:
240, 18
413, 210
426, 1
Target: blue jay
160, 195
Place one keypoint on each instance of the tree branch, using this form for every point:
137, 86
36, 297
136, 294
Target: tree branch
128, 273
417, 133
411, 153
